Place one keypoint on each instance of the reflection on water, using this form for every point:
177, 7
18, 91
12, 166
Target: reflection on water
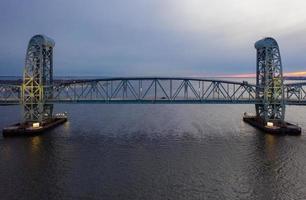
270, 147
66, 127
35, 144
153, 152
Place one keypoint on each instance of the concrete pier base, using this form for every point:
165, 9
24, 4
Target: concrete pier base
29, 128
285, 128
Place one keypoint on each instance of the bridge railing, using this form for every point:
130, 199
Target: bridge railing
154, 90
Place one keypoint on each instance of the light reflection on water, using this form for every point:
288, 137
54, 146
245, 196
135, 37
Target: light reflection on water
35, 143
153, 152
270, 146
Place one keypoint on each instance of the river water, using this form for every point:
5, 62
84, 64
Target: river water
153, 152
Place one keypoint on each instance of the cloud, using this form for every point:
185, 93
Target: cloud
152, 37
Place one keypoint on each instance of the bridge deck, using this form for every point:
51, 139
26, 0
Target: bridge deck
154, 90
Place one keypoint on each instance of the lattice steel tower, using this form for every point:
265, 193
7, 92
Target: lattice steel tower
269, 81
38, 79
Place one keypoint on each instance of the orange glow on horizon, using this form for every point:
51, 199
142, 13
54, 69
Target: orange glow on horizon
253, 75
295, 73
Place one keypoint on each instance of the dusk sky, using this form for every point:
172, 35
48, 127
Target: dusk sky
153, 37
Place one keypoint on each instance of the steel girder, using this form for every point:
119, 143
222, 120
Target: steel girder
269, 81
10, 94
154, 90
37, 77
89, 91
295, 93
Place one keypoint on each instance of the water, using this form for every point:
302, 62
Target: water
153, 152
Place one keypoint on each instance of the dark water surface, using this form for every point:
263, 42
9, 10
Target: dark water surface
153, 152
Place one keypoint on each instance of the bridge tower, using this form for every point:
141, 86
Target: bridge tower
38, 79
269, 82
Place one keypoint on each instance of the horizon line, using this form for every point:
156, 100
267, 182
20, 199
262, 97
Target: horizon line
243, 75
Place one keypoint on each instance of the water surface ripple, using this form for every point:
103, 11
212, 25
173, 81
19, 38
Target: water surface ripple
153, 152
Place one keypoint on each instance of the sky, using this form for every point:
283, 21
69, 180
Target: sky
153, 37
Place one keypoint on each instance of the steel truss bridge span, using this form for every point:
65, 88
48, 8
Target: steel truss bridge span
154, 90
142, 90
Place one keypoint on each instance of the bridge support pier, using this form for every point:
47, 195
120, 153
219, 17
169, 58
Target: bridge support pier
270, 112
36, 89
38, 80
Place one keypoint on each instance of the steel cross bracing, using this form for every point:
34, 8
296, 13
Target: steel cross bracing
154, 90
295, 93
10, 94
143, 90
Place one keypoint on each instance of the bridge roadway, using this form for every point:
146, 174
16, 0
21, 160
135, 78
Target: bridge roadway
153, 90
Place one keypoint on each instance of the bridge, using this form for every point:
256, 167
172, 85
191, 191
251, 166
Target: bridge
38, 91
158, 90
